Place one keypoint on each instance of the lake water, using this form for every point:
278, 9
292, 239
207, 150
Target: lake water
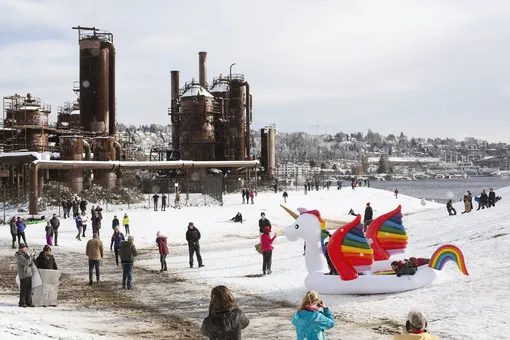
441, 190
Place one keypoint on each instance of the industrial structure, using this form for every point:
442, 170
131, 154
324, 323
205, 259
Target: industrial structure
211, 122
210, 130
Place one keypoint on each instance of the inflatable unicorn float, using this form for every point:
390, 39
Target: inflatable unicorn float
352, 253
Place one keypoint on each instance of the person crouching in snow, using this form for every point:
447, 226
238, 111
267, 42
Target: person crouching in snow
416, 328
161, 241
312, 318
267, 250
225, 320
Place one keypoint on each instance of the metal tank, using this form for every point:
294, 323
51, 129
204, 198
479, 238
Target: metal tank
268, 151
71, 149
97, 81
220, 88
36, 140
197, 138
104, 150
236, 112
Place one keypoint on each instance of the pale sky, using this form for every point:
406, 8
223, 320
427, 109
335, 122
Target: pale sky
427, 68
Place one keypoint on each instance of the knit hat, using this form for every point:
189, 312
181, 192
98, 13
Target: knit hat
417, 320
46, 247
268, 229
22, 245
131, 238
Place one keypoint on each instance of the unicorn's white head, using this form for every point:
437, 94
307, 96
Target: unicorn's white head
308, 227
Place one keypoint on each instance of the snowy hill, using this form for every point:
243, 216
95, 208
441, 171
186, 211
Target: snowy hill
458, 307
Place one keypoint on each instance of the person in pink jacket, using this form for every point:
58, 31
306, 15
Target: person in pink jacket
267, 250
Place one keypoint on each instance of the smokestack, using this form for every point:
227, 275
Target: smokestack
202, 69
175, 117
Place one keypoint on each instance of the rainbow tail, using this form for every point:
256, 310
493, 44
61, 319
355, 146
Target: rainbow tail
446, 253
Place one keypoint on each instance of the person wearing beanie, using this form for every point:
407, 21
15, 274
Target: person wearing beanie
267, 250
117, 238
127, 253
45, 260
24, 262
161, 241
94, 252
416, 328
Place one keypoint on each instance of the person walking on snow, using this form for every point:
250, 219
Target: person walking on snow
247, 196
125, 222
20, 230
49, 234
285, 195
14, 231
24, 262
55, 223
243, 194
267, 250
193, 238
83, 206
396, 193
128, 253
96, 222
263, 223
79, 226
178, 200
155, 199
115, 222
84, 224
450, 208
117, 238
94, 252
161, 241
252, 195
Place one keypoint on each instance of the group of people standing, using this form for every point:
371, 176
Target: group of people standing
77, 206
246, 195
164, 204
484, 201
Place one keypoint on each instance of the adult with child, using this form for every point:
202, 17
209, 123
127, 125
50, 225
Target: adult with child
312, 318
416, 328
225, 320
24, 262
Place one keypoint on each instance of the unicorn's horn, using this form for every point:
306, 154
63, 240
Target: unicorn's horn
291, 213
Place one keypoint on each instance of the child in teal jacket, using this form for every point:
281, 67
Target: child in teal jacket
310, 321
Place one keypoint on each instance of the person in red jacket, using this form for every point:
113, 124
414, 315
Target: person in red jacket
267, 250
161, 241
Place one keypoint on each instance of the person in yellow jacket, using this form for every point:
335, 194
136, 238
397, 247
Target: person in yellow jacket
125, 223
416, 328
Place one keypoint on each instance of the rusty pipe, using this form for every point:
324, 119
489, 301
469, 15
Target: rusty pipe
248, 115
202, 69
35, 166
118, 150
111, 87
86, 146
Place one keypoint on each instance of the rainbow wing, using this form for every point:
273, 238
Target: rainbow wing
349, 250
446, 253
387, 235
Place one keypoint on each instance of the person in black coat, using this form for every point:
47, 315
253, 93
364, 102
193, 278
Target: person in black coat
226, 320
484, 200
45, 260
83, 206
163, 202
263, 223
193, 238
450, 208
115, 222
243, 194
492, 198
155, 198
369, 215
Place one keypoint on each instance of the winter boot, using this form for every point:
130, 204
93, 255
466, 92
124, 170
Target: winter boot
14, 245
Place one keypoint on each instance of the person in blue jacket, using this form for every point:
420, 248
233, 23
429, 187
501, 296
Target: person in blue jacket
117, 239
20, 230
312, 318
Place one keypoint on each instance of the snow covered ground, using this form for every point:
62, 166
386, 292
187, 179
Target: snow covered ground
458, 307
